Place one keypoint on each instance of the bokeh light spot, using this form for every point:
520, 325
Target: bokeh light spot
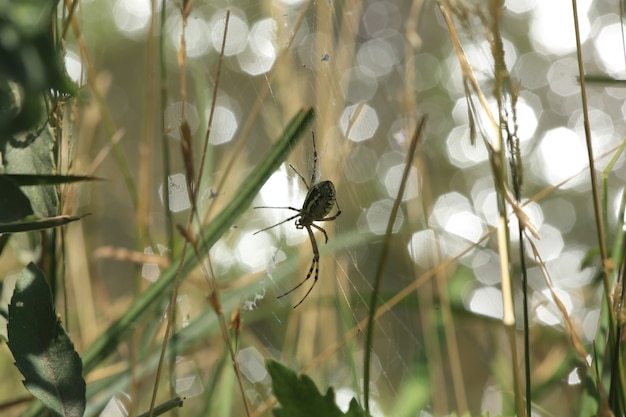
260, 55
466, 225
484, 198
237, 36
550, 245
486, 266
393, 179
534, 215
532, 70
520, 6
461, 151
186, 379
562, 77
254, 251
117, 406
224, 126
132, 17
358, 122
573, 378
251, 364
562, 155
546, 310
74, 67
552, 26
178, 195
448, 205
197, 43
377, 217
149, 270
381, 18
378, 56
172, 118
422, 248
608, 41
486, 301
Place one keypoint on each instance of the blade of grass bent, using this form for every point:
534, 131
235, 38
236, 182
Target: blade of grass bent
212, 232
120, 329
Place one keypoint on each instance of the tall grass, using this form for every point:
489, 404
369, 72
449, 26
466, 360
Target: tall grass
395, 333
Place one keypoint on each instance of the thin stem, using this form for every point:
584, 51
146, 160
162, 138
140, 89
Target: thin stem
594, 181
383, 260
212, 111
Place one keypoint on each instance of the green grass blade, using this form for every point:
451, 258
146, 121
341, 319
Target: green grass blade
242, 199
38, 224
104, 345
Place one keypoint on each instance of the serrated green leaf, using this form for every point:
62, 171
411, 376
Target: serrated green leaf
299, 397
43, 352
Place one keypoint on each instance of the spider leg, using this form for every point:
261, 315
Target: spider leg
277, 224
315, 264
314, 159
301, 177
272, 207
338, 209
331, 218
326, 219
323, 231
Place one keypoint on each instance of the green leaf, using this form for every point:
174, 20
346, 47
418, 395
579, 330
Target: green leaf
43, 352
299, 397
14, 205
38, 224
31, 153
43, 179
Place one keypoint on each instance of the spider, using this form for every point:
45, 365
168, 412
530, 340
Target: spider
319, 201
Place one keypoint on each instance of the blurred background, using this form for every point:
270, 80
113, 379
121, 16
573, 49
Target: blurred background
370, 69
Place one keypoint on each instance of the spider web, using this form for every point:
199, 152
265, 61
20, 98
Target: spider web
370, 69
361, 145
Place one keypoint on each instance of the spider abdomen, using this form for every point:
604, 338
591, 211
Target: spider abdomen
319, 202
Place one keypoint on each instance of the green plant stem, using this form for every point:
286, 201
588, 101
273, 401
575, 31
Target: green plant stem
383, 261
169, 222
592, 173
104, 345
503, 90
163, 408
